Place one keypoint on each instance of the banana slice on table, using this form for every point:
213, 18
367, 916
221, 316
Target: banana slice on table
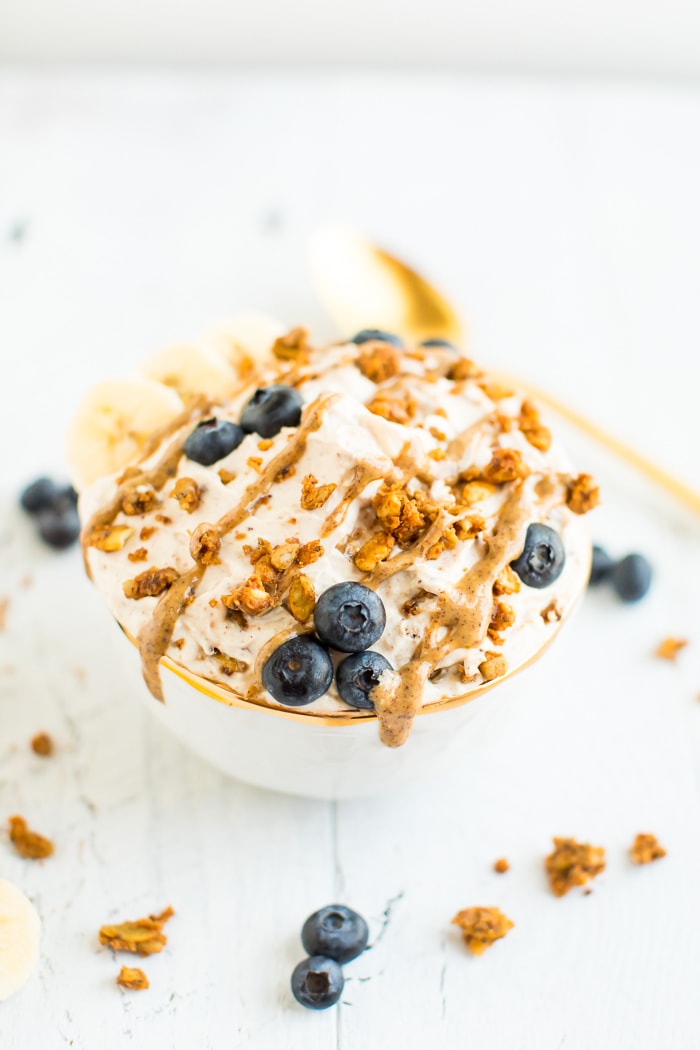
20, 931
245, 339
191, 369
112, 424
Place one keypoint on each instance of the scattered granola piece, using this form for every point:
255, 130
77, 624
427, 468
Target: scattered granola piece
502, 617
493, 666
28, 843
551, 613
147, 531
140, 554
496, 390
379, 361
463, 369
284, 554
475, 491
4, 606
314, 495
481, 927
164, 519
302, 598
582, 494
405, 515
139, 499
397, 409
255, 463
412, 605
501, 866
151, 583
539, 436
506, 465
669, 648
42, 744
144, 936
250, 597
375, 550
109, 537
187, 493
645, 849
265, 443
508, 582
227, 476
229, 664
309, 552
205, 544
437, 454
573, 864
179, 644
294, 346
132, 978
468, 528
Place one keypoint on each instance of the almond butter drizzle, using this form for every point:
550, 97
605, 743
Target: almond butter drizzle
463, 619
363, 475
154, 637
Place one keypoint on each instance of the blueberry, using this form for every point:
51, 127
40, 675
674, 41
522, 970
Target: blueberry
40, 495
631, 577
59, 526
317, 982
335, 931
543, 558
211, 440
270, 409
356, 677
298, 672
443, 344
601, 566
369, 335
349, 617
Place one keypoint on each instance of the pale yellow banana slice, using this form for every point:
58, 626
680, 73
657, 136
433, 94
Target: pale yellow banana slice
20, 931
112, 424
245, 339
191, 369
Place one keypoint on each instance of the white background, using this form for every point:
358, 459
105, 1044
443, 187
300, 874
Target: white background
563, 220
569, 36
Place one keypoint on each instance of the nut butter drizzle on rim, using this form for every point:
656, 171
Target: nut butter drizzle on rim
154, 638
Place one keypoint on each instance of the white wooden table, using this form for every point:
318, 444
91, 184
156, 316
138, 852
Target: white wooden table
139, 209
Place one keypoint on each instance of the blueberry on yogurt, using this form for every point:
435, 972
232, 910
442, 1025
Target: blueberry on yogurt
542, 559
376, 335
211, 440
349, 617
271, 408
357, 675
298, 672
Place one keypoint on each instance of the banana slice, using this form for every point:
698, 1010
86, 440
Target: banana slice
245, 339
20, 930
191, 369
113, 423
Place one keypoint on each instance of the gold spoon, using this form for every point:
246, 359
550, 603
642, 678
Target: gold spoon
361, 285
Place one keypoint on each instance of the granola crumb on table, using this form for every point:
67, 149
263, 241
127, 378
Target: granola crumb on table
481, 927
669, 648
572, 864
501, 866
143, 936
42, 745
132, 978
645, 849
29, 844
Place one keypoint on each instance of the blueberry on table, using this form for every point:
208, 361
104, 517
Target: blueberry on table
357, 675
317, 982
271, 408
59, 527
442, 344
335, 931
349, 617
40, 495
601, 566
376, 335
211, 440
631, 577
543, 557
298, 672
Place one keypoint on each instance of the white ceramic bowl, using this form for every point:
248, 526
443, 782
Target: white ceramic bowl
303, 753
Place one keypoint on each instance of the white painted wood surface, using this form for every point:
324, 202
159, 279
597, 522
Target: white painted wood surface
137, 210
